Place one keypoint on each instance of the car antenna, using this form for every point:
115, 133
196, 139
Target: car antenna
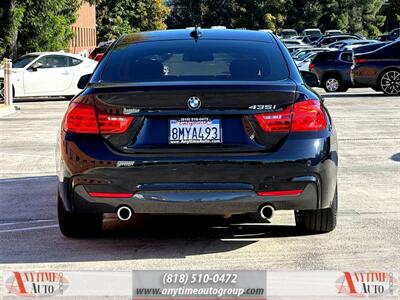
195, 33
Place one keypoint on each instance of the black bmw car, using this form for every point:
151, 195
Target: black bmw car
217, 122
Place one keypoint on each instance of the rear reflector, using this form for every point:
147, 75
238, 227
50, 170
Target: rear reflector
359, 60
306, 115
311, 67
281, 193
110, 195
99, 57
82, 118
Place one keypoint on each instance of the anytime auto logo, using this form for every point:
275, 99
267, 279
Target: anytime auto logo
367, 284
36, 284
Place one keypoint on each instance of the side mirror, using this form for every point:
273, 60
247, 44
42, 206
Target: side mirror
36, 66
83, 81
310, 79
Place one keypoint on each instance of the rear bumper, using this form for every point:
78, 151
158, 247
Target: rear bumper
205, 202
201, 184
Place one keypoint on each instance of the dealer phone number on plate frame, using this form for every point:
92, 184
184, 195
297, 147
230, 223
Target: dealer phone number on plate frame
199, 278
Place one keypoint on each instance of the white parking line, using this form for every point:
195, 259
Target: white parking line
28, 228
27, 155
39, 178
23, 222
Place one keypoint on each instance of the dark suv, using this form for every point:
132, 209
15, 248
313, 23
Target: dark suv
214, 122
378, 68
333, 70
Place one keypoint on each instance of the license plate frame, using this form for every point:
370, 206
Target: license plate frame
198, 124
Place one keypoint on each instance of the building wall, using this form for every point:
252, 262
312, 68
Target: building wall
84, 30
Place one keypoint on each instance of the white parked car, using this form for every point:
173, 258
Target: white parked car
47, 74
304, 63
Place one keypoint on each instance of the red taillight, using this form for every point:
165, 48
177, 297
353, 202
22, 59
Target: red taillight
82, 118
311, 67
275, 121
305, 115
281, 193
359, 60
110, 195
99, 57
308, 116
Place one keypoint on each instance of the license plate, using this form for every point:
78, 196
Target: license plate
195, 131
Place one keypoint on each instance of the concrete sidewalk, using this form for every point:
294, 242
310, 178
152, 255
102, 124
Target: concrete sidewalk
6, 110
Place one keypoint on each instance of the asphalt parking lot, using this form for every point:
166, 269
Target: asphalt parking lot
367, 236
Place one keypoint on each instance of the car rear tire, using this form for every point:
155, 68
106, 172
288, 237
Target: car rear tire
390, 82
333, 84
1, 91
78, 225
319, 220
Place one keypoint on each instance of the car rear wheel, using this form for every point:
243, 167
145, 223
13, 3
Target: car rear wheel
333, 84
390, 83
1, 91
319, 220
78, 225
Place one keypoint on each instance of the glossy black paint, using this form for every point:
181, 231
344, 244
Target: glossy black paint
205, 179
391, 36
378, 60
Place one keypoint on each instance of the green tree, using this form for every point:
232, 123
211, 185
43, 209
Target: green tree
36, 25
302, 14
230, 13
356, 16
116, 17
365, 18
186, 13
47, 24
274, 14
392, 11
11, 17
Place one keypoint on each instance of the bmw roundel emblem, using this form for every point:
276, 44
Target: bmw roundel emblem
194, 103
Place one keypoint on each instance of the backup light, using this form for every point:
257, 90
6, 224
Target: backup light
359, 60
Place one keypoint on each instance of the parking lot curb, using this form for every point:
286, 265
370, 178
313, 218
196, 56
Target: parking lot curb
6, 110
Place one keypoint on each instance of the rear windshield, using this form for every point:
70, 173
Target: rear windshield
312, 32
325, 56
368, 48
188, 60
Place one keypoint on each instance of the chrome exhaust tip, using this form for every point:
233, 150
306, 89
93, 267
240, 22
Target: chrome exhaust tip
124, 213
267, 211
